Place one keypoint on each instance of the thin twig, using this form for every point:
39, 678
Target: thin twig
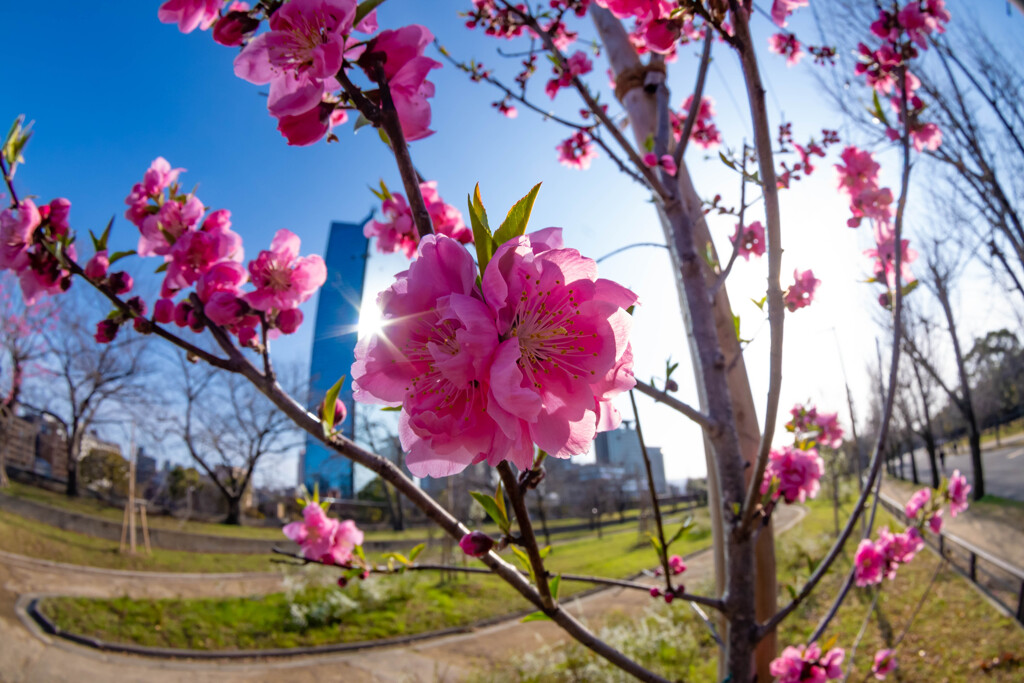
615, 252
540, 574
860, 634
739, 235
698, 94
9, 181
689, 411
663, 548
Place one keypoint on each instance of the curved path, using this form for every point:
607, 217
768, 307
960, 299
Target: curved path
27, 654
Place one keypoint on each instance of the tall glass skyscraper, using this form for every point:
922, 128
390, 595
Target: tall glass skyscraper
334, 343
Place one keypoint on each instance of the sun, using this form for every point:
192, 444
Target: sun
370, 320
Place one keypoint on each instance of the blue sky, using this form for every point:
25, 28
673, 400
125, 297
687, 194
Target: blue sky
110, 89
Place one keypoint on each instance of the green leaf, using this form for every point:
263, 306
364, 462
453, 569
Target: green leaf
682, 530
554, 584
630, 309
392, 409
106, 234
383, 137
415, 552
709, 256
535, 616
329, 400
499, 501
481, 230
518, 216
656, 543
760, 304
878, 112
727, 161
358, 550
736, 326
649, 143
792, 591
364, 8
492, 510
118, 255
14, 143
545, 551
360, 123
911, 287
523, 558
162, 267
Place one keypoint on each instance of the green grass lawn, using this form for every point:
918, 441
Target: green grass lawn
956, 634
27, 537
380, 607
98, 508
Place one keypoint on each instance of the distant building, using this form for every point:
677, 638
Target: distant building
621, 448
334, 341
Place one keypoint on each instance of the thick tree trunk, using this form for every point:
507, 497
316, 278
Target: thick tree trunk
929, 443
642, 110
234, 511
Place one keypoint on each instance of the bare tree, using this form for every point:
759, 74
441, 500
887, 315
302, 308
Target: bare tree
22, 345
381, 438
93, 380
229, 427
941, 273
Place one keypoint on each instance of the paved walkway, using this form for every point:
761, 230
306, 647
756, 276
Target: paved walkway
26, 654
998, 530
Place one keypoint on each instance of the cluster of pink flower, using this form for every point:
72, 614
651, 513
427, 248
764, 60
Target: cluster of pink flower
666, 162
807, 424
858, 178
398, 232
787, 45
307, 46
877, 559
577, 151
901, 33
781, 9
807, 664
503, 22
576, 65
205, 253
30, 238
880, 559
801, 292
749, 240
322, 538
704, 132
812, 149
659, 27
532, 355
793, 474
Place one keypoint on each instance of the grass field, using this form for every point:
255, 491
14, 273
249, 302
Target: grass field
957, 636
34, 539
98, 508
380, 607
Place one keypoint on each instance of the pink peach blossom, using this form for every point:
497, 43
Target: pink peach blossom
958, 490
283, 279
577, 151
916, 502
749, 240
869, 563
787, 45
189, 14
17, 226
801, 292
406, 70
796, 471
884, 664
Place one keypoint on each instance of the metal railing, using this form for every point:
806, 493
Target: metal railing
1002, 582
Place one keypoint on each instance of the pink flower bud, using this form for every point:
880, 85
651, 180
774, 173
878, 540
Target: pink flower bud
669, 597
651, 159
342, 582
181, 312
668, 164
120, 282
340, 411
289, 320
655, 592
476, 544
58, 212
163, 311
96, 268
106, 330
230, 29
247, 336
365, 575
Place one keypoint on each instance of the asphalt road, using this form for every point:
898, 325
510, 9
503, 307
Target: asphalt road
1003, 466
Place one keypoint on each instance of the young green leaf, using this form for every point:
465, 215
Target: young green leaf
535, 616
517, 219
415, 552
736, 326
482, 237
329, 404
106, 235
554, 584
492, 510
499, 501
524, 559
727, 161
118, 255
